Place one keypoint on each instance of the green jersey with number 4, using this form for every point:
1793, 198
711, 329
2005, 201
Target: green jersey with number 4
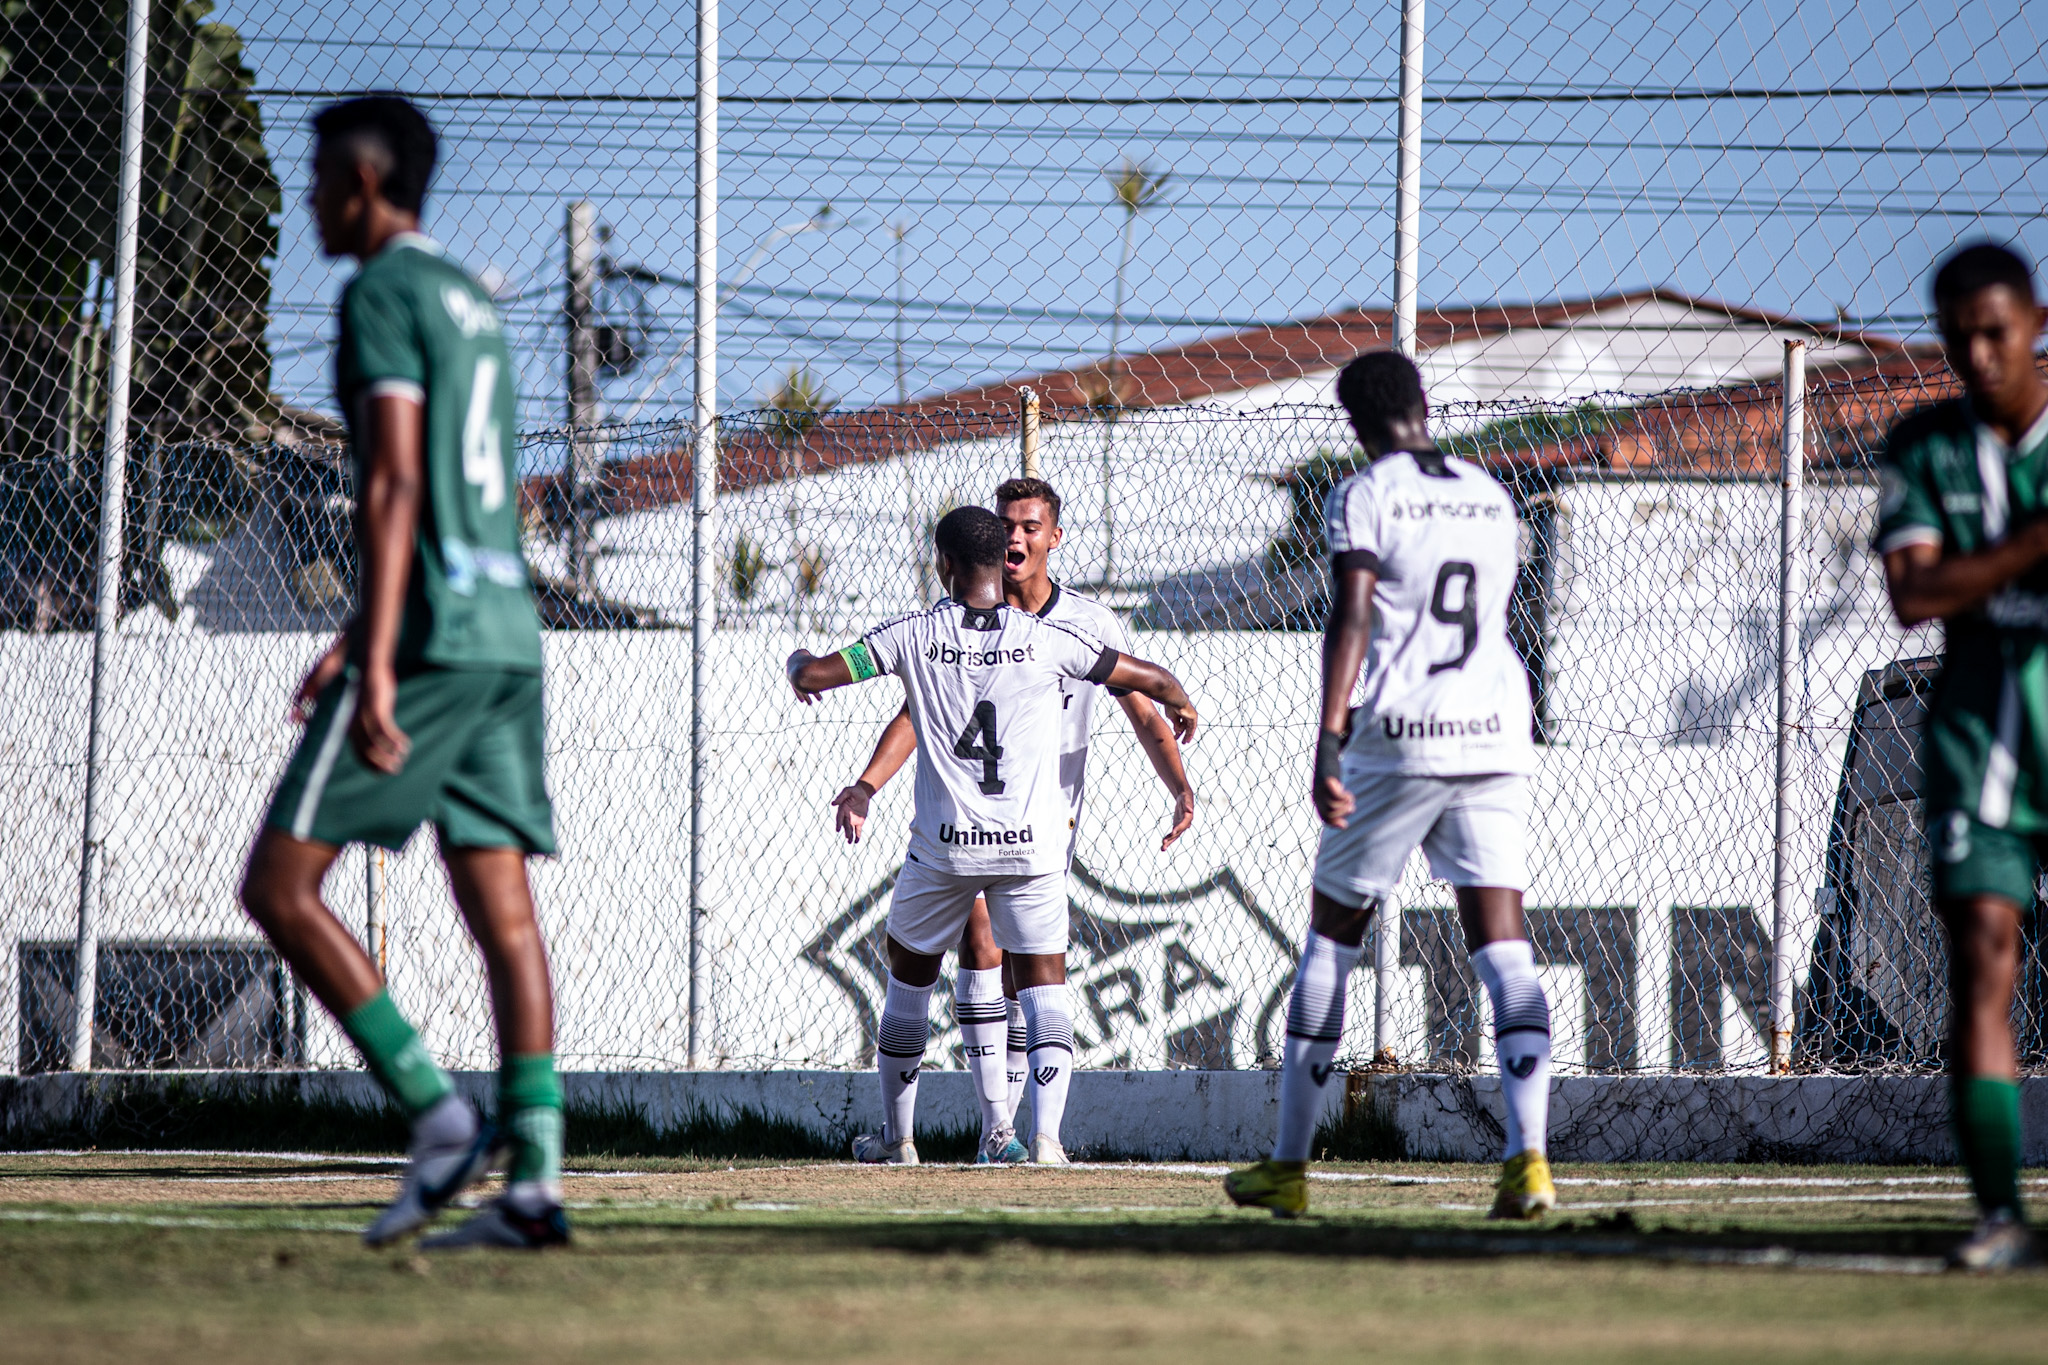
415, 324
1949, 481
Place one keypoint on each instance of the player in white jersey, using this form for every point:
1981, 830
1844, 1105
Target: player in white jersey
983, 683
985, 1003
1437, 753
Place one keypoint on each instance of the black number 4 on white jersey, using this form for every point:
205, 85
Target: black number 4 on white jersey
983, 686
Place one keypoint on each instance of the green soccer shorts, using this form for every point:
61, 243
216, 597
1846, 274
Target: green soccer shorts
1972, 858
475, 769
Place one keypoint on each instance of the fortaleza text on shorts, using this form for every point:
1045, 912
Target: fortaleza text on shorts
953, 834
1435, 727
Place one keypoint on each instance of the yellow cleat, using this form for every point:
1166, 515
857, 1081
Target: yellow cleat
1525, 1191
1281, 1186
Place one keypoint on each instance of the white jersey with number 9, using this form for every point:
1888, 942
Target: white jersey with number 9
1445, 694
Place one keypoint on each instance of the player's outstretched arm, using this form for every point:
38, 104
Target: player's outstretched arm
1155, 737
1926, 587
1347, 633
387, 519
1136, 675
810, 674
892, 751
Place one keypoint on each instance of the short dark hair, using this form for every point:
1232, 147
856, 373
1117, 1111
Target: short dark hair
1381, 387
1981, 265
973, 538
394, 131
1029, 490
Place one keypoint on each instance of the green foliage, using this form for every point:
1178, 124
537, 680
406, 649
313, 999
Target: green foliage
1531, 430
208, 226
744, 568
1363, 1132
798, 404
142, 1115
207, 231
1308, 489
271, 1114
1137, 186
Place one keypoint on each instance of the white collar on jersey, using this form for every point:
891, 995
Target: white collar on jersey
418, 241
2029, 438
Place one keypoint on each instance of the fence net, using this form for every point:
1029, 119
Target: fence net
1645, 612
1173, 224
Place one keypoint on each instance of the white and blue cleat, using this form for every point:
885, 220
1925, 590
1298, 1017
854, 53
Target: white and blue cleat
1001, 1148
436, 1174
870, 1150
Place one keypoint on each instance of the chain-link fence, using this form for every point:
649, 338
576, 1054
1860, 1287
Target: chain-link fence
1645, 612
1173, 225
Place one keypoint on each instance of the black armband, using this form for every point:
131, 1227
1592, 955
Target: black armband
1329, 754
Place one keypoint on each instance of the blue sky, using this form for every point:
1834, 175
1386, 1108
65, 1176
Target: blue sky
1556, 165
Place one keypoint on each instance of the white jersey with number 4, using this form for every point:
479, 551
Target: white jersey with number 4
1445, 694
985, 692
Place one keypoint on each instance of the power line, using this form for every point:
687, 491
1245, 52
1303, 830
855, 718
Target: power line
1502, 96
682, 148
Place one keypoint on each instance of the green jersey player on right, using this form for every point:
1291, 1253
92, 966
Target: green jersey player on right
1963, 529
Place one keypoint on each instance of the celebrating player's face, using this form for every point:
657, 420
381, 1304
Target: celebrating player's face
1033, 535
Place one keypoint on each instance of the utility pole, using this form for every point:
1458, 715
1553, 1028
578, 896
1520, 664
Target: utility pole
584, 452
107, 558
1408, 181
899, 231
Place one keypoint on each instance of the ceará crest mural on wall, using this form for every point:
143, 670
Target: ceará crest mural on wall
1193, 977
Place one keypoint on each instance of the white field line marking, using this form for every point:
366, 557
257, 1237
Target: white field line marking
1901, 1198
158, 1221
1483, 1176
250, 1156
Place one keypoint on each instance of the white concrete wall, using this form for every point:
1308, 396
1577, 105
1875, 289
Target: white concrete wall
1661, 591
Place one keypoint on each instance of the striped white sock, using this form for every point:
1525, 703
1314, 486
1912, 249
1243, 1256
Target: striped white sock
1521, 1038
1315, 1030
1049, 1031
899, 1052
983, 1017
1018, 1061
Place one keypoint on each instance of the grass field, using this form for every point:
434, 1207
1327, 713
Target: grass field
224, 1259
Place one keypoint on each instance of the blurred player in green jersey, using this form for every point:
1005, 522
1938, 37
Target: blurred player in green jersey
1964, 538
427, 707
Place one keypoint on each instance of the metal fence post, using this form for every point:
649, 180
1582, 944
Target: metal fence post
703, 492
1791, 588
1027, 432
1408, 180
1386, 970
107, 571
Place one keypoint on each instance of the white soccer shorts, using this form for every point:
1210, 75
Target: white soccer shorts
1472, 828
930, 908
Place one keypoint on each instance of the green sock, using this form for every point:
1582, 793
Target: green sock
396, 1055
1988, 1136
530, 1110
